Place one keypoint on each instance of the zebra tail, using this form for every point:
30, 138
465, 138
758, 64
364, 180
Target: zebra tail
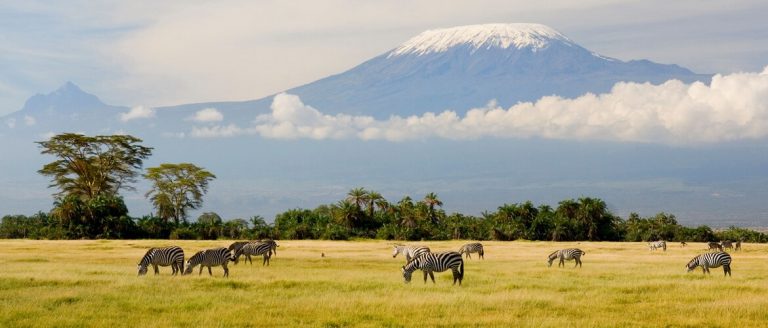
461, 269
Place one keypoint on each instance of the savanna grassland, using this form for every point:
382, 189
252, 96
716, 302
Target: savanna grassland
358, 283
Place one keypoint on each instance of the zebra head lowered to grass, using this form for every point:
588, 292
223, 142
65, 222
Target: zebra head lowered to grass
410, 252
566, 255
472, 248
164, 256
658, 244
436, 262
210, 258
711, 260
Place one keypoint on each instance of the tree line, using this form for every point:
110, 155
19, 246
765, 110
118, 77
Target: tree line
89, 173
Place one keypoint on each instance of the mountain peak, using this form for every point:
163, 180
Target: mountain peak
504, 36
68, 97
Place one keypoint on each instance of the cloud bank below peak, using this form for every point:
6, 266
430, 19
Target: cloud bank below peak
733, 107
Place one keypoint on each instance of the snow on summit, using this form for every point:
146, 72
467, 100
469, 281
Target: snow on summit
518, 35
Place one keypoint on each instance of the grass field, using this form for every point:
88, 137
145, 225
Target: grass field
358, 283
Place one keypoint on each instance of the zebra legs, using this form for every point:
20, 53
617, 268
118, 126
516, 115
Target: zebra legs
457, 276
266, 259
431, 275
578, 262
157, 271
226, 270
726, 270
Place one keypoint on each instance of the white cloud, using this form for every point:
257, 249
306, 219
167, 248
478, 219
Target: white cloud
732, 107
137, 112
207, 115
216, 131
29, 120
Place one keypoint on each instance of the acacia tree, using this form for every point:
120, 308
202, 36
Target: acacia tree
91, 166
177, 188
89, 172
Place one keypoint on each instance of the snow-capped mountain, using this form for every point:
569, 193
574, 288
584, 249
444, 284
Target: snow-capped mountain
464, 67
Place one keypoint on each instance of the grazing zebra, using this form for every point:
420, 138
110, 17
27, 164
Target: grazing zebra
410, 252
436, 262
711, 260
210, 258
172, 255
737, 245
713, 246
726, 244
567, 255
472, 248
256, 248
658, 244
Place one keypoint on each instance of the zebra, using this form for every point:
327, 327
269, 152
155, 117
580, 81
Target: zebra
436, 262
165, 256
658, 244
715, 246
737, 245
410, 252
210, 257
726, 244
472, 248
567, 254
711, 260
683, 244
256, 248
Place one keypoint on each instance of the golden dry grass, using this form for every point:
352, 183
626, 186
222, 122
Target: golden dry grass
358, 283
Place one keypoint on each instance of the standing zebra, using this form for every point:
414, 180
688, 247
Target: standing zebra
737, 245
410, 252
711, 260
256, 248
726, 244
713, 246
472, 248
210, 258
658, 244
436, 262
165, 256
566, 255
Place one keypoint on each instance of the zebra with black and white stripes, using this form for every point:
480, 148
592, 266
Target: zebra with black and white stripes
256, 248
472, 248
726, 244
163, 256
715, 246
711, 260
436, 262
658, 244
566, 255
410, 252
210, 258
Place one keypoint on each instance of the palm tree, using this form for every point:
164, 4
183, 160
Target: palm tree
345, 212
405, 209
431, 201
372, 198
357, 196
590, 214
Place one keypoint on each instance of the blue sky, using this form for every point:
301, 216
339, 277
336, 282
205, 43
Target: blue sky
171, 52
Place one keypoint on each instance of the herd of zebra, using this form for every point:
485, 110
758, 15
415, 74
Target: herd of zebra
715, 259
417, 258
173, 256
